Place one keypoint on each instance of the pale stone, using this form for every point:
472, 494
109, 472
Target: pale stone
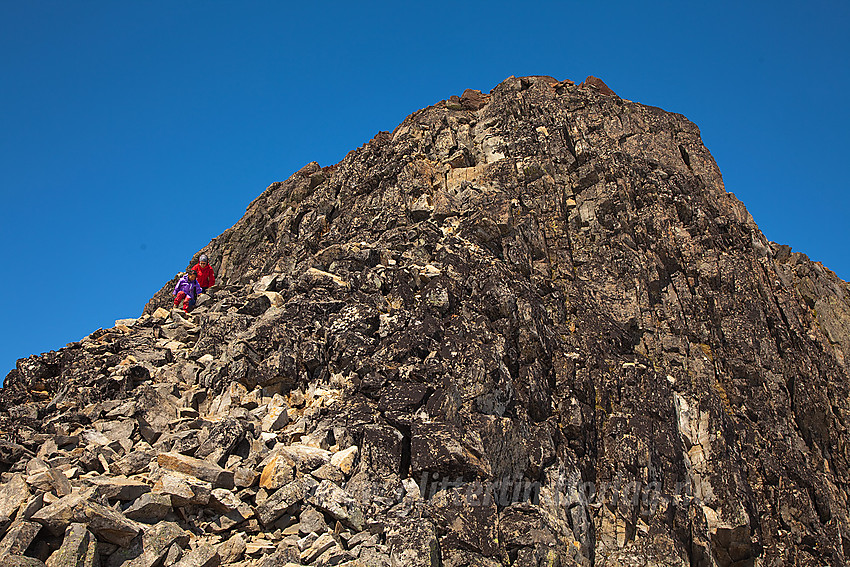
183, 489
319, 274
259, 545
344, 459
12, 495
233, 549
277, 415
161, 313
149, 508
279, 471
106, 523
338, 503
322, 544
93, 437
279, 502
47, 480
224, 500
307, 457
264, 283
151, 548
79, 549
118, 487
197, 468
18, 537
201, 556
275, 298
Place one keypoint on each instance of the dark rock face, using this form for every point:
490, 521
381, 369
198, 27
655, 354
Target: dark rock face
525, 328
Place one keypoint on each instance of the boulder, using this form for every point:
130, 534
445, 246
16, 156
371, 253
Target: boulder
306, 457
202, 556
12, 494
382, 449
282, 500
198, 468
344, 460
79, 549
280, 470
150, 548
312, 521
413, 544
439, 447
339, 504
106, 523
149, 508
21, 561
117, 487
18, 537
184, 490
233, 549
221, 439
277, 415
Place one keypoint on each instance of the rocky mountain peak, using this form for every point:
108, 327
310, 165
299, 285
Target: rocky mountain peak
528, 327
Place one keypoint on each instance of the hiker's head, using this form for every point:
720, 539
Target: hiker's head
192, 274
203, 260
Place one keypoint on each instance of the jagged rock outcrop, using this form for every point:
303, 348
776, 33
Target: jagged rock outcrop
526, 328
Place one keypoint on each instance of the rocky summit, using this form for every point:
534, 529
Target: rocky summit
526, 328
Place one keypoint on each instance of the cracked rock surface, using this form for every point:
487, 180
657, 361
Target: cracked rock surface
525, 328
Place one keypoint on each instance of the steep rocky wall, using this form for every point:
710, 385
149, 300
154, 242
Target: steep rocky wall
543, 308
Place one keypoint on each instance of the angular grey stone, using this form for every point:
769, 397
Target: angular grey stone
106, 523
312, 521
233, 549
224, 500
183, 489
12, 495
198, 468
20, 561
155, 409
413, 544
222, 437
133, 463
307, 457
18, 537
79, 549
33, 505
149, 508
334, 556
119, 430
375, 557
61, 484
174, 554
284, 498
118, 487
322, 544
442, 448
338, 503
148, 549
244, 478
201, 556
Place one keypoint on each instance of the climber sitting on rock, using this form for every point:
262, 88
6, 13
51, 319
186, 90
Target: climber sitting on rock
187, 290
206, 276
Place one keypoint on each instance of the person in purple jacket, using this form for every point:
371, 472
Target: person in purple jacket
187, 290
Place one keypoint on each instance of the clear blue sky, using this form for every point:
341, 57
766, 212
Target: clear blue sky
132, 133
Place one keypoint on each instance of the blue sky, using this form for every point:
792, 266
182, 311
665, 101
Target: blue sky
132, 133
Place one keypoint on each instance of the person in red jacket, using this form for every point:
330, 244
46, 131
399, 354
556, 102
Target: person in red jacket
206, 277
